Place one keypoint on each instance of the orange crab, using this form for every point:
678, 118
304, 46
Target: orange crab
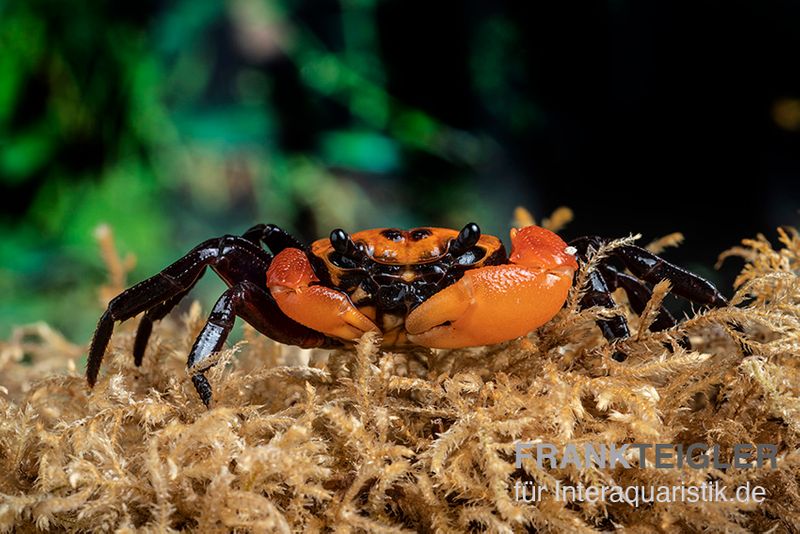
431, 287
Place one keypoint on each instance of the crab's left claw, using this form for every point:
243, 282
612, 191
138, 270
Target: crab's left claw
291, 281
497, 303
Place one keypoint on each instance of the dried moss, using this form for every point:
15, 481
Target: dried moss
373, 441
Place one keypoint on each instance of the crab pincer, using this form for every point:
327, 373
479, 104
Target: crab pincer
326, 310
499, 302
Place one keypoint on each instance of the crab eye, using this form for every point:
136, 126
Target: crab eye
420, 233
467, 238
346, 254
341, 242
392, 235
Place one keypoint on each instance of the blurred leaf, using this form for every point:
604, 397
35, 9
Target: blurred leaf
360, 150
226, 126
12, 75
186, 21
21, 48
26, 152
127, 199
415, 128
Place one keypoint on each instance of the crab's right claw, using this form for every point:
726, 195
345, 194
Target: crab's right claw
489, 305
498, 303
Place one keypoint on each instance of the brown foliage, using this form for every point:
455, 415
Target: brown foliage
373, 441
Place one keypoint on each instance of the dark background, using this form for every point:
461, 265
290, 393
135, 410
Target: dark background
177, 121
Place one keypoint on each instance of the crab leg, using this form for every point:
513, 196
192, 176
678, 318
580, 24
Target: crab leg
291, 280
650, 268
599, 294
240, 262
638, 295
156, 313
246, 300
275, 237
496, 303
148, 294
235, 259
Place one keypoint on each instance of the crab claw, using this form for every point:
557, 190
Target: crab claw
290, 278
497, 303
537, 248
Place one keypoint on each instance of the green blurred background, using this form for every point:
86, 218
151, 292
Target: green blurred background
175, 121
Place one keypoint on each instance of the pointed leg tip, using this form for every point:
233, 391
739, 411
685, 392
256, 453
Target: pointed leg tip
93, 368
203, 388
619, 356
98, 346
138, 357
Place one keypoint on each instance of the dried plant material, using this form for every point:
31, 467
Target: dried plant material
118, 268
651, 311
364, 440
657, 246
560, 218
523, 218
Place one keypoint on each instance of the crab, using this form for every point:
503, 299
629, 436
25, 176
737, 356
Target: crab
430, 287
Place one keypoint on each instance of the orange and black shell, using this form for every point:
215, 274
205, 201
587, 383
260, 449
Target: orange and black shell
400, 269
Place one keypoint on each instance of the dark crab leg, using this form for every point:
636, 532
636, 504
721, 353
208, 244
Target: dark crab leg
275, 237
160, 293
638, 295
645, 266
648, 267
154, 314
246, 300
236, 260
148, 294
599, 294
213, 335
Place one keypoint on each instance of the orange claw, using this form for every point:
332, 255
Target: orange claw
321, 308
497, 303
